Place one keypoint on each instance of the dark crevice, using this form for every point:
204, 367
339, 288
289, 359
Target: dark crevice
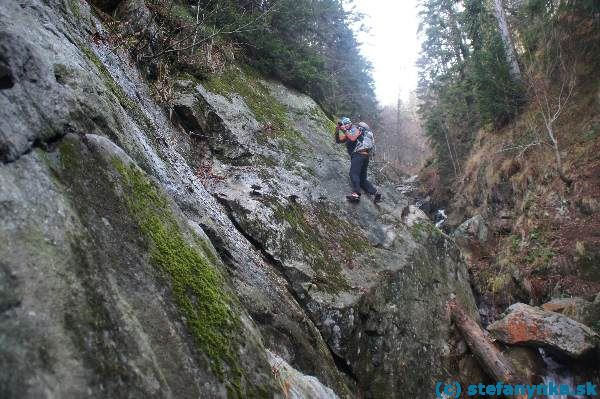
218, 244
339, 361
343, 365
49, 144
185, 117
270, 259
373, 333
6, 306
7, 79
107, 6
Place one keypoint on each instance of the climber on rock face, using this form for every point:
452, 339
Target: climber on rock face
359, 143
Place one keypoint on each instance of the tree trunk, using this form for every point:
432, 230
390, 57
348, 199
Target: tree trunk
515, 71
559, 165
488, 354
460, 49
450, 152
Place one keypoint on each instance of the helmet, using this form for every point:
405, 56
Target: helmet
364, 125
345, 120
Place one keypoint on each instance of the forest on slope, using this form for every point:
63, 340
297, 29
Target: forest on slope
311, 46
308, 45
510, 102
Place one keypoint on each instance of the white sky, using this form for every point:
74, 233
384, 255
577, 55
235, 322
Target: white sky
392, 46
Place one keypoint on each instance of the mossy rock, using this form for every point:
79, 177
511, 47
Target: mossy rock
181, 259
266, 109
196, 282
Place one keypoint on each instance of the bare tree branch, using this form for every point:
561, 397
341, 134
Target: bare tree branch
226, 30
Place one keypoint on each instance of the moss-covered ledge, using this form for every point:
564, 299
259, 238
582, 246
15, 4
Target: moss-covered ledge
183, 259
198, 286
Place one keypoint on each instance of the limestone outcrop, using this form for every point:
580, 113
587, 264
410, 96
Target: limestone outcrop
150, 251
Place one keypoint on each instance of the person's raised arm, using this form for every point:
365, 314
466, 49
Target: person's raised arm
340, 133
352, 133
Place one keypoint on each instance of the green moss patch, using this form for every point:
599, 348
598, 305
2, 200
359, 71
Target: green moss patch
423, 230
327, 243
255, 94
74, 6
266, 109
318, 114
197, 285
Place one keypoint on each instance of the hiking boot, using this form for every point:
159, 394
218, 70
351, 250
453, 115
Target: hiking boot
354, 197
377, 197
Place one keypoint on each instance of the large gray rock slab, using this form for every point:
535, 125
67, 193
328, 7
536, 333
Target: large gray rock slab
56, 85
348, 294
88, 305
91, 305
527, 325
374, 285
579, 309
100, 92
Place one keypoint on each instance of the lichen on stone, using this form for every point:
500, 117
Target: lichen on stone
327, 243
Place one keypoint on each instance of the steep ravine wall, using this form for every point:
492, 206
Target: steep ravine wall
148, 253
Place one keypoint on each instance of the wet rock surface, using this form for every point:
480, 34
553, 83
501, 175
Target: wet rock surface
374, 284
122, 221
527, 325
297, 385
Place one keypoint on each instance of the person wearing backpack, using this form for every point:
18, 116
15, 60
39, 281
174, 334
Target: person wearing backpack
359, 142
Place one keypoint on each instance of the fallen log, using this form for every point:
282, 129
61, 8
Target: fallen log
487, 352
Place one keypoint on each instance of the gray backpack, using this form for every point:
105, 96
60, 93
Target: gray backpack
366, 141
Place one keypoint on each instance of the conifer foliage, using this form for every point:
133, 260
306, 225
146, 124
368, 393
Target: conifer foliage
477, 62
309, 45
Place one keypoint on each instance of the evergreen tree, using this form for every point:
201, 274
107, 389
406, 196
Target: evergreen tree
309, 45
312, 46
497, 84
465, 77
445, 87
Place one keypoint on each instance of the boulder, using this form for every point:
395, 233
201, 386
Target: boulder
412, 214
472, 230
527, 325
527, 362
578, 309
